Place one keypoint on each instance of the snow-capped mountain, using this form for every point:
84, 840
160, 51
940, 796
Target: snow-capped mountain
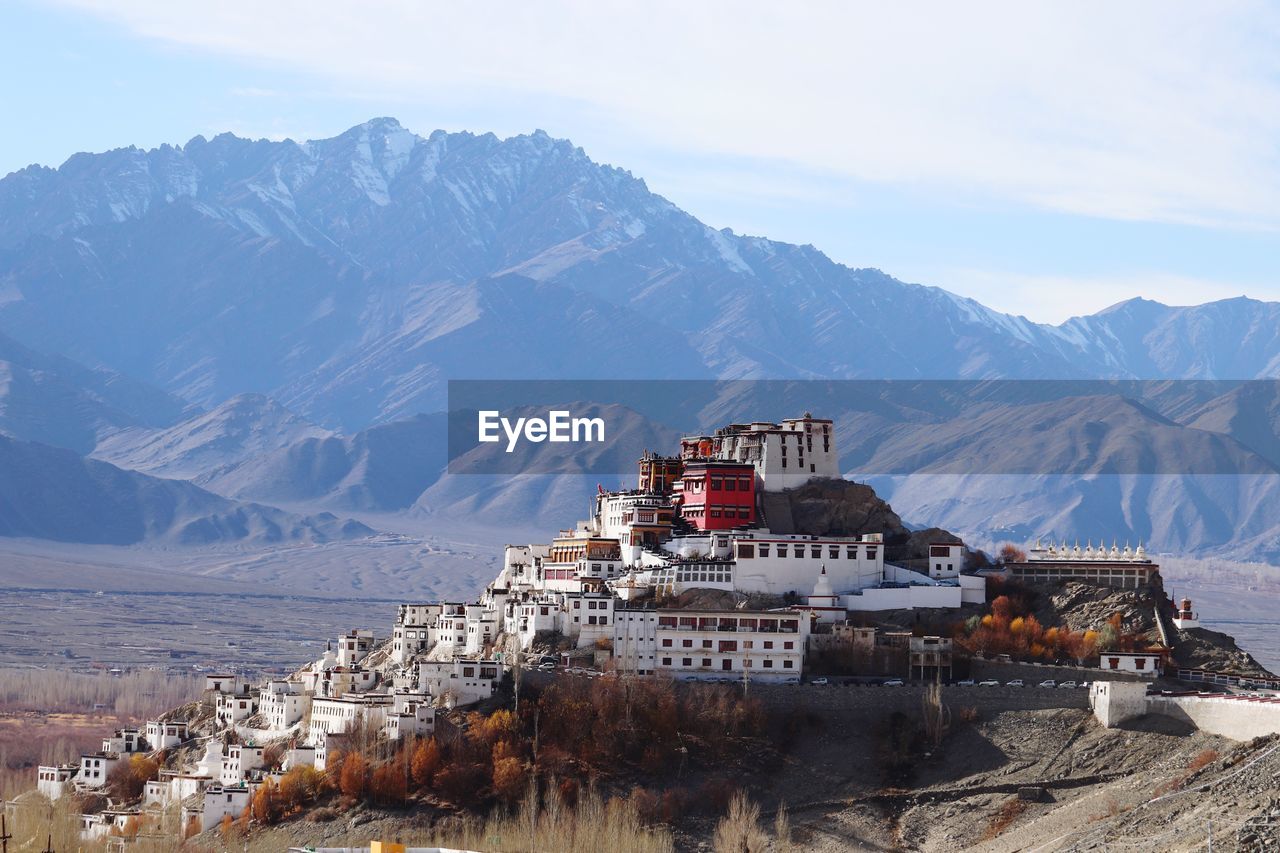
349, 277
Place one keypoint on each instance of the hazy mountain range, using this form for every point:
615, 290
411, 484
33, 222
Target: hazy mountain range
275, 321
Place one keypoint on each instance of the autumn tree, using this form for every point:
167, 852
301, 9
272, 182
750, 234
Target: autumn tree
425, 762
387, 785
509, 779
266, 807
128, 779
355, 776
1010, 553
300, 787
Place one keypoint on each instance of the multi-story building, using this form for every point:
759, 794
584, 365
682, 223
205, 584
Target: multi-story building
761, 645
717, 495
639, 518
354, 647
232, 708
459, 681
339, 714
239, 761
412, 632
784, 456
635, 632
283, 703
658, 474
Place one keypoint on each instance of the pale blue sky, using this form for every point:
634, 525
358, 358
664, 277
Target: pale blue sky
1047, 160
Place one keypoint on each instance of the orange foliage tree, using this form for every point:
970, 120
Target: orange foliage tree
355, 775
425, 762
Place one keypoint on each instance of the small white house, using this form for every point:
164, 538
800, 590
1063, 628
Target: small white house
235, 708
241, 758
124, 740
163, 734
94, 769
946, 559
53, 780
218, 802
1145, 664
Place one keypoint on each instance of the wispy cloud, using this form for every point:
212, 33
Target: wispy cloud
1153, 111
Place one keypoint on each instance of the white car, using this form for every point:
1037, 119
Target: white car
968, 682
1017, 682
990, 682
1048, 682
893, 682
820, 682
1070, 684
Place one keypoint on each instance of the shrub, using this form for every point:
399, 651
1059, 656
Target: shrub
739, 830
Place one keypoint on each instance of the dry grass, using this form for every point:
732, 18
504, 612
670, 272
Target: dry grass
1004, 818
739, 831
937, 718
547, 823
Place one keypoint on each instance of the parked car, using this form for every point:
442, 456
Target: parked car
1048, 682
547, 665
966, 682
893, 682
821, 682
990, 682
1070, 684
1017, 682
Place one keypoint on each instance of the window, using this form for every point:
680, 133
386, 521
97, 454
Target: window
716, 484
686, 662
666, 661
746, 550
768, 644
788, 645
706, 644
782, 550
768, 663
730, 484
706, 662
1140, 663
786, 664
744, 483
764, 549
688, 644
815, 551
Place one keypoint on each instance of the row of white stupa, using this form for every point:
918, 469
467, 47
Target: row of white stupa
1067, 552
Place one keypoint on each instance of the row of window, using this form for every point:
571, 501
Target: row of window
747, 550
718, 511
729, 645
719, 484
727, 663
